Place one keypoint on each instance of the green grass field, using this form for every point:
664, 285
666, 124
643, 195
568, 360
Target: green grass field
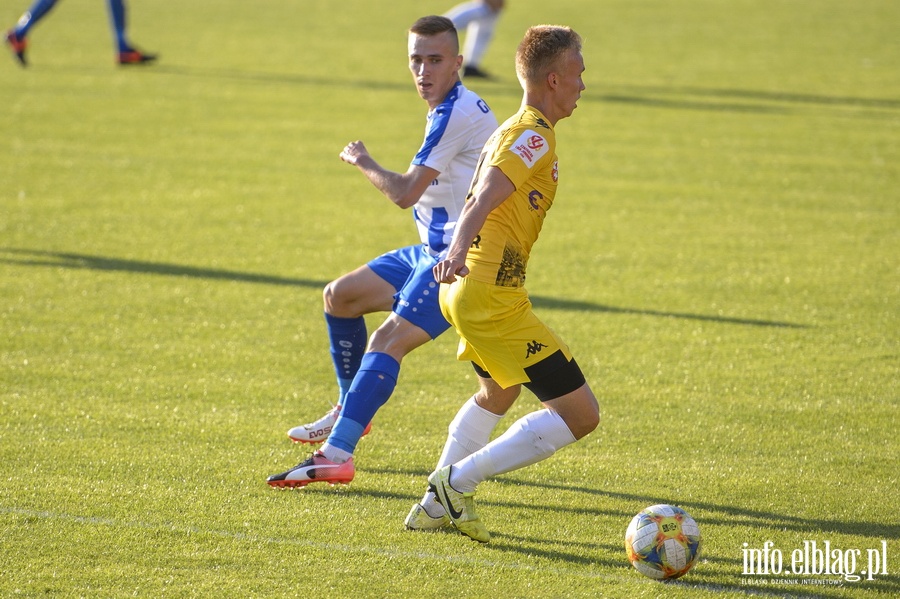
722, 258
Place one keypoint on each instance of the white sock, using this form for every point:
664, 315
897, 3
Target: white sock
533, 438
465, 13
478, 37
469, 431
335, 454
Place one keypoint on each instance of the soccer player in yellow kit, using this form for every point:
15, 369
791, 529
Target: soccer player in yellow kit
483, 297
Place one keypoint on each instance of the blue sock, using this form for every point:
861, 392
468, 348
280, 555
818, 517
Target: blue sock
34, 14
117, 16
348, 344
371, 389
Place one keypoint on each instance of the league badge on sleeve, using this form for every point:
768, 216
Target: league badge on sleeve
530, 147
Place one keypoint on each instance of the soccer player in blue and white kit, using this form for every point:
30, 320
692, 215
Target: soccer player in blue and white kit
127, 54
401, 281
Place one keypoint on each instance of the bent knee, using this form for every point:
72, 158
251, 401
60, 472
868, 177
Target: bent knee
582, 419
591, 423
331, 297
583, 428
343, 300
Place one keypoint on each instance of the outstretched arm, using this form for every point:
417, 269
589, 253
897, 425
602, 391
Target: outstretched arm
404, 189
492, 190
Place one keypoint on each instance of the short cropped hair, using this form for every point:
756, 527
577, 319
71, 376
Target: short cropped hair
541, 49
434, 25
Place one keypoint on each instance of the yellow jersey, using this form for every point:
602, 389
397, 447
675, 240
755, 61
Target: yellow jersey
524, 148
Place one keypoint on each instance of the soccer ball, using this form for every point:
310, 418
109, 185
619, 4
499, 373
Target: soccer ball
662, 542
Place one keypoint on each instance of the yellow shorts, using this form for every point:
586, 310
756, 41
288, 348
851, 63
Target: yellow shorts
498, 330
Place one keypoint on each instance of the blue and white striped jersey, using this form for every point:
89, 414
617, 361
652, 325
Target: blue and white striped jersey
456, 132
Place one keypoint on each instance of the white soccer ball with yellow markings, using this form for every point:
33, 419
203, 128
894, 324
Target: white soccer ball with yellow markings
662, 542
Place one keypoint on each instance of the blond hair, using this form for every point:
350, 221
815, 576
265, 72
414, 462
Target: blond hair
541, 49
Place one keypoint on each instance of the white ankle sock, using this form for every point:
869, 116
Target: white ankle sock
335, 454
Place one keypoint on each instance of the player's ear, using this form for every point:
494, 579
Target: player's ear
552, 79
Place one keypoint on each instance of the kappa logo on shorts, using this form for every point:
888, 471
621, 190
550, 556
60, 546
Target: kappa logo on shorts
534, 347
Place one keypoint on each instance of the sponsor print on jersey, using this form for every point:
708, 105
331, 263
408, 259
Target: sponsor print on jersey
530, 147
512, 267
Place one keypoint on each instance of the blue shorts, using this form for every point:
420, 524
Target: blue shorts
409, 270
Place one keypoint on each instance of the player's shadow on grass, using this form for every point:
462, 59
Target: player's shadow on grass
71, 260
765, 96
87, 262
671, 97
553, 303
716, 99
725, 515
550, 548
714, 572
711, 572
